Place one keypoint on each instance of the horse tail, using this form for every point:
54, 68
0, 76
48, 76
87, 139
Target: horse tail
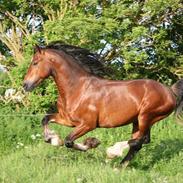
177, 89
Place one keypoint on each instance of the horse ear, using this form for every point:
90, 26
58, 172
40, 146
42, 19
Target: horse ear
37, 49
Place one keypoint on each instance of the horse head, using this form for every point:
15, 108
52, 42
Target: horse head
39, 69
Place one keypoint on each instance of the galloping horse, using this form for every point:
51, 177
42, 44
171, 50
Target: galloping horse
87, 101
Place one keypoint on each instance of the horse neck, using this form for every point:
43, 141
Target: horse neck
69, 77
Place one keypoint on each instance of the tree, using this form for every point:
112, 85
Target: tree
139, 39
142, 38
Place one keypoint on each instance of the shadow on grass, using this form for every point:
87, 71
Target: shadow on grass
165, 150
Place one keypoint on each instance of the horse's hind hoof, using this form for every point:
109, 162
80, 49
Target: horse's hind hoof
117, 149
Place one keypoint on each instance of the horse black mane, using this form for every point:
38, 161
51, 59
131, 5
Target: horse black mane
91, 62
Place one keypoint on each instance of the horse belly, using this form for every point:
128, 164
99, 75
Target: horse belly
116, 114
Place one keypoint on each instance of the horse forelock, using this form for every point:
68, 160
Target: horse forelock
88, 61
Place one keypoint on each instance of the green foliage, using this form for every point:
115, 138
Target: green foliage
86, 31
37, 101
141, 34
43, 97
17, 130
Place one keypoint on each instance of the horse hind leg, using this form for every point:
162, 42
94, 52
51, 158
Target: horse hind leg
147, 137
141, 135
118, 148
135, 133
134, 144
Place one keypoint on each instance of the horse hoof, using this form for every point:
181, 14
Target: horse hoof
68, 143
80, 147
117, 149
47, 139
48, 134
91, 142
56, 141
52, 138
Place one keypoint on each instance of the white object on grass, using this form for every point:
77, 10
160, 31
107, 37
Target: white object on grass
3, 68
9, 93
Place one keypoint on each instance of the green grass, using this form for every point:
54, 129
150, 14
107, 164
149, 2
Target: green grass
38, 162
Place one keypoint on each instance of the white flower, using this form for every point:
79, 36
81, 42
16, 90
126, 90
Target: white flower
81, 179
3, 68
38, 135
78, 180
9, 93
33, 137
17, 98
21, 144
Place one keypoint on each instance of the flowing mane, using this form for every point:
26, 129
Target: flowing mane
91, 62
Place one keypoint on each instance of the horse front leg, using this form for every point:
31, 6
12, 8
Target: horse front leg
49, 135
79, 131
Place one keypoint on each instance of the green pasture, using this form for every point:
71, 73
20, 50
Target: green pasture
25, 158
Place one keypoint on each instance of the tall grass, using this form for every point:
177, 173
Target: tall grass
25, 158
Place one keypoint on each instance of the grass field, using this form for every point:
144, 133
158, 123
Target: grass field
25, 158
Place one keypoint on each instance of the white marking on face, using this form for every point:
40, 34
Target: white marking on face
117, 149
92, 107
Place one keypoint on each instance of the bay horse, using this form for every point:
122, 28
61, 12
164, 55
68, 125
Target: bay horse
87, 101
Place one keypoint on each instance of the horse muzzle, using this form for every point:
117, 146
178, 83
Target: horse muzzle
28, 86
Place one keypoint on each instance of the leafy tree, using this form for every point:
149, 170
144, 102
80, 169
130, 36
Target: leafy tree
139, 39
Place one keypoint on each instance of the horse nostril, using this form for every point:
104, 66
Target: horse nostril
24, 86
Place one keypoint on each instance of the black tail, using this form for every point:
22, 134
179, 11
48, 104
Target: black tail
177, 89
